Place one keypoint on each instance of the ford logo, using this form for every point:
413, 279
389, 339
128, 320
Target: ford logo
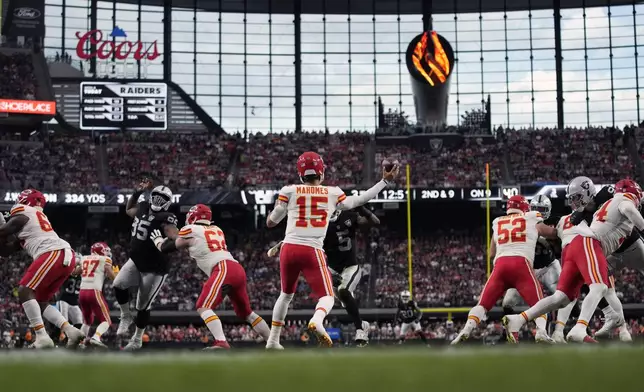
26, 13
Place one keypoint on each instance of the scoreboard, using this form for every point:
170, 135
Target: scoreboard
113, 106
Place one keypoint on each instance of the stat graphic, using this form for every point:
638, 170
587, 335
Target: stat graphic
430, 62
114, 106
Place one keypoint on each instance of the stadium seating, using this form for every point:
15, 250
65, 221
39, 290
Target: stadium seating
17, 79
269, 160
180, 161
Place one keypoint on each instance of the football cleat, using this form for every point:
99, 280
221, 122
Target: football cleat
318, 330
271, 345
512, 324
362, 335
542, 337
43, 342
610, 324
124, 324
96, 343
624, 335
133, 345
460, 338
579, 335
74, 337
218, 345
559, 338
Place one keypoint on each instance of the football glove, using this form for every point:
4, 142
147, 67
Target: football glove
157, 238
272, 252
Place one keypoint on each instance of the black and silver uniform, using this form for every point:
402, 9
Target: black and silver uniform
604, 194
143, 253
339, 243
70, 290
544, 254
408, 312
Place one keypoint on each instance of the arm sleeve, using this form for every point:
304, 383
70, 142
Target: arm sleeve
281, 205
628, 209
417, 312
186, 232
347, 203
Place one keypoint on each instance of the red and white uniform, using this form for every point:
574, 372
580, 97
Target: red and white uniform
515, 237
208, 248
566, 231
609, 224
309, 209
53, 257
91, 299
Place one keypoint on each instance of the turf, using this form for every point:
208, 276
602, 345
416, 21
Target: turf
520, 369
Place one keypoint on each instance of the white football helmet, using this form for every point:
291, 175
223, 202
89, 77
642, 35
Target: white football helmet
542, 204
405, 296
580, 192
160, 198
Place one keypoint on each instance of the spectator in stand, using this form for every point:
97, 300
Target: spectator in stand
267, 160
17, 79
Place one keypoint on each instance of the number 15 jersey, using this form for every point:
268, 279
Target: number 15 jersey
208, 246
309, 209
516, 235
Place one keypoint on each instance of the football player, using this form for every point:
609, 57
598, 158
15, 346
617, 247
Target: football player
547, 268
147, 267
584, 260
226, 277
53, 262
513, 248
339, 245
95, 268
309, 207
68, 297
409, 314
630, 254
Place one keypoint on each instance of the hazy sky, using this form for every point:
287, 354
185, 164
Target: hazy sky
360, 81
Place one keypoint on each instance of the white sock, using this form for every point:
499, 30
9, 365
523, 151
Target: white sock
100, 330
54, 316
259, 325
546, 305
214, 324
279, 315
125, 310
563, 315
85, 329
541, 322
138, 333
32, 310
324, 306
596, 293
474, 317
615, 305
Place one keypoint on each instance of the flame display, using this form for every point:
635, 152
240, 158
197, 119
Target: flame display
434, 65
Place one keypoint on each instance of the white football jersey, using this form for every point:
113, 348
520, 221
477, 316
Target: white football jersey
516, 234
309, 210
93, 273
567, 231
609, 225
209, 246
37, 236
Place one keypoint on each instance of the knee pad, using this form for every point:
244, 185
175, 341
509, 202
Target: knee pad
561, 298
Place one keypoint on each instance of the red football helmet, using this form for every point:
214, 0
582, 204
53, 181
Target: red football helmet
517, 203
629, 186
101, 248
32, 198
199, 213
310, 163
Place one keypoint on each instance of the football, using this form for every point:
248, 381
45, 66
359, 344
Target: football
388, 164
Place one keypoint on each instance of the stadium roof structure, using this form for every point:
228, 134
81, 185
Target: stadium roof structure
374, 7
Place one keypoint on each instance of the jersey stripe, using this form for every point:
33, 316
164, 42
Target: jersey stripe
185, 231
282, 198
341, 198
17, 210
630, 197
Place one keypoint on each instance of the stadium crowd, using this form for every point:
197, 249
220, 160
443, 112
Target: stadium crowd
17, 79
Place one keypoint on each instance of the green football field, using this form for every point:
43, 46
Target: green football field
520, 369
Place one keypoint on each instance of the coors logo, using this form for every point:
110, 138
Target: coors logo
26, 13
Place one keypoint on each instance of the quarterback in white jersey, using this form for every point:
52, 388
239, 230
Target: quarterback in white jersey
309, 207
53, 263
513, 243
95, 268
206, 244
